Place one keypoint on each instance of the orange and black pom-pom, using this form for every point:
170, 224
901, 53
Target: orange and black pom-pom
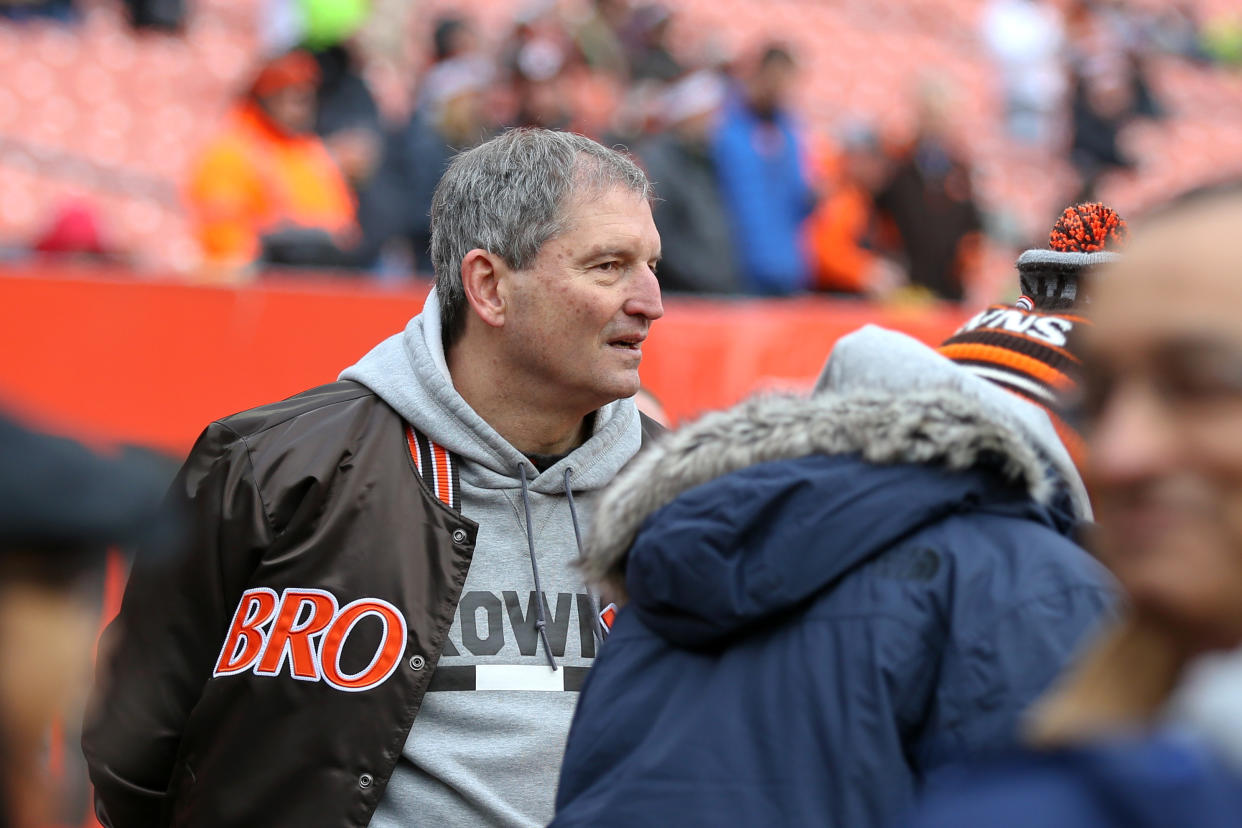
1088, 228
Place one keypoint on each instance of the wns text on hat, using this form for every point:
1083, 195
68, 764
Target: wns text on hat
1051, 330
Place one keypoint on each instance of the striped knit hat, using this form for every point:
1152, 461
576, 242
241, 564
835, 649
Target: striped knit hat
1086, 235
1026, 352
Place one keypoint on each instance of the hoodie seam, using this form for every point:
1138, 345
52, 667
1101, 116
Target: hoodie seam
604, 451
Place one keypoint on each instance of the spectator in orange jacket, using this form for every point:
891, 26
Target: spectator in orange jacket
266, 188
844, 233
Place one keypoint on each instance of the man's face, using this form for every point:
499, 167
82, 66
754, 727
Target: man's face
867, 167
772, 86
1164, 406
292, 108
577, 317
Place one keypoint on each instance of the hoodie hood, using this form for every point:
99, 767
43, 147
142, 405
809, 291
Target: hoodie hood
874, 358
409, 372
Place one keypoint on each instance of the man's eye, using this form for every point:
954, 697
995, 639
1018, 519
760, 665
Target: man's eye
606, 266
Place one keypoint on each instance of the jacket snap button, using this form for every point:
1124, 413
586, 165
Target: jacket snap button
418, 662
459, 536
365, 780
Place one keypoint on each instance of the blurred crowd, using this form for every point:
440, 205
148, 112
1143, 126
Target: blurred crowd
1084, 70
315, 167
308, 172
159, 15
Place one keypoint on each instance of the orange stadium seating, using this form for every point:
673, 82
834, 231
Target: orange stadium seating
96, 111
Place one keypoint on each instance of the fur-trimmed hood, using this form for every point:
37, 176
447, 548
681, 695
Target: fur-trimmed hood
945, 421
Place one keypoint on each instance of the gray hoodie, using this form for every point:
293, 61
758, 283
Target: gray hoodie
486, 746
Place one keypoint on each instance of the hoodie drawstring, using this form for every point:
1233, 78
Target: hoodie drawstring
597, 626
541, 622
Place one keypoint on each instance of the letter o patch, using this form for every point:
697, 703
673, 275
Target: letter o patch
387, 656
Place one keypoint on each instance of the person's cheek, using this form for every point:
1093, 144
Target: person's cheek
1216, 454
1198, 577
1230, 565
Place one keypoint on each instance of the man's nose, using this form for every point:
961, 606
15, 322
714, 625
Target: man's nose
644, 299
1134, 438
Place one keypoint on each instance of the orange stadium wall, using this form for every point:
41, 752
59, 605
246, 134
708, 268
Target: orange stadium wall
112, 358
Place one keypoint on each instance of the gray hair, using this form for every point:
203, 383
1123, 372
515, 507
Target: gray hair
508, 196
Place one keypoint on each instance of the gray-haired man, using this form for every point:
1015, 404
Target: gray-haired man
379, 623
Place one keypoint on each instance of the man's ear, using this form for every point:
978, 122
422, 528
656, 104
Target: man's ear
483, 276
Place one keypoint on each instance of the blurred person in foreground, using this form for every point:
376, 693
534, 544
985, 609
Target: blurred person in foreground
694, 229
759, 158
379, 624
266, 189
826, 600
61, 507
1147, 729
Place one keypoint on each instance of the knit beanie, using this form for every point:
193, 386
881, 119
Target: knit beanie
1085, 236
296, 68
1028, 353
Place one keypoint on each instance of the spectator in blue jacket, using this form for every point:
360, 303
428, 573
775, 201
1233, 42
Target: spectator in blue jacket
825, 600
763, 178
1147, 729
